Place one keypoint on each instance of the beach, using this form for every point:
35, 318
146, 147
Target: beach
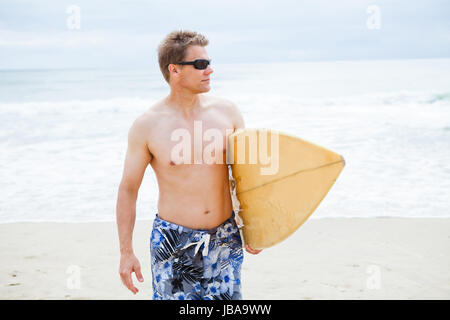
330, 258
382, 232
347, 77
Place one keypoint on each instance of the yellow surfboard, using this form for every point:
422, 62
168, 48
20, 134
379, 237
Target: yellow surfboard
279, 182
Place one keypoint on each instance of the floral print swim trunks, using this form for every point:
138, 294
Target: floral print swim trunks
190, 264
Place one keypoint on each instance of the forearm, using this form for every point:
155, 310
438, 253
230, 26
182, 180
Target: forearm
126, 216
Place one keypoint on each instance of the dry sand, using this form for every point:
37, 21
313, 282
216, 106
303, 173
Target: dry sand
385, 258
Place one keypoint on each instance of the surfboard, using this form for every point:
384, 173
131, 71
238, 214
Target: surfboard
279, 180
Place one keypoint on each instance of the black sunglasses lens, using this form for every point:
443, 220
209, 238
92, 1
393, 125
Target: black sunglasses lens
201, 64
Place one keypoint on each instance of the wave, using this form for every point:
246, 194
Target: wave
401, 98
440, 97
118, 104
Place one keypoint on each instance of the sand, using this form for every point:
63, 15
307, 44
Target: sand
384, 258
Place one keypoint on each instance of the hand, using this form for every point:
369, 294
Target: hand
129, 264
250, 250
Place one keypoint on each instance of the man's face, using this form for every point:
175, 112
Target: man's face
193, 79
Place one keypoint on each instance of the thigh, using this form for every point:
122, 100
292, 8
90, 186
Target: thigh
176, 271
222, 269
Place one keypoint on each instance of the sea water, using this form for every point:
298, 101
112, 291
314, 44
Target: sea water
63, 133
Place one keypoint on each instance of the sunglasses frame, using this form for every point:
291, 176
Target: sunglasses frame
194, 63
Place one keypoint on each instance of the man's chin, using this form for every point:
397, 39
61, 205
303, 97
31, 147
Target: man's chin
205, 89
201, 89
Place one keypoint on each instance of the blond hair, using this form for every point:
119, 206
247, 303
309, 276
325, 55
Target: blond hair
174, 47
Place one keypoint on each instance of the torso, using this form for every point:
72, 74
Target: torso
192, 192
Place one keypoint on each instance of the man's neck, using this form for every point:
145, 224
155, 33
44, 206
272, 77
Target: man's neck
183, 101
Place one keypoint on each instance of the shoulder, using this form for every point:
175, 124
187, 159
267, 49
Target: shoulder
223, 103
233, 111
228, 107
143, 124
138, 131
150, 117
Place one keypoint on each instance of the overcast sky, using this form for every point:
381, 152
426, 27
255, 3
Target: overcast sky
46, 34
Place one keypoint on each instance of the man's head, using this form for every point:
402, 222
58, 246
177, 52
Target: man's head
184, 46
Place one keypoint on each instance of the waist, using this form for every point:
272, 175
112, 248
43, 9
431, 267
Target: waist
198, 213
223, 226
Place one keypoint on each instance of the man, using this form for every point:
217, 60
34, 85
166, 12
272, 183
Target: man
196, 249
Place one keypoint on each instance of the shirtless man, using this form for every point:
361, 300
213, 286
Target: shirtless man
195, 246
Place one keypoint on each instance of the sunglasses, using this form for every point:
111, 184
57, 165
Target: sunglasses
200, 64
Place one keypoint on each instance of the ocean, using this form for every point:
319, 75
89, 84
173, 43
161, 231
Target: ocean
63, 133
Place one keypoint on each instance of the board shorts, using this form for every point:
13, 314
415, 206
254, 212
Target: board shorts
196, 264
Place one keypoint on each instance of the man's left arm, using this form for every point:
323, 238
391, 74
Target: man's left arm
238, 119
238, 123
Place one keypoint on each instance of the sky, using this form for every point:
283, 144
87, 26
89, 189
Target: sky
124, 34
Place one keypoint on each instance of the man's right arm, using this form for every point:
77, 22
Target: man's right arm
136, 161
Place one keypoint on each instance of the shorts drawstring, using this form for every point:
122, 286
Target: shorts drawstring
205, 241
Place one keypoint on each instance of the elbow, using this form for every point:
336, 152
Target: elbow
127, 189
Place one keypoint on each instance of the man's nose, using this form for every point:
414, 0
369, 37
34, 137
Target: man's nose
209, 70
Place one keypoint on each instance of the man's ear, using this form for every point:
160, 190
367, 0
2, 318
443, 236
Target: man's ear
174, 71
172, 68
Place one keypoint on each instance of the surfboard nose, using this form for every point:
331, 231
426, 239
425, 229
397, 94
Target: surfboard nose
343, 160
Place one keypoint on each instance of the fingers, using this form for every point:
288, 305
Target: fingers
127, 279
128, 282
139, 274
128, 265
250, 250
131, 286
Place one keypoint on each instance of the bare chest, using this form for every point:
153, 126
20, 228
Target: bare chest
179, 142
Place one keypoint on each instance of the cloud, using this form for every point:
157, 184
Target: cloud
239, 31
71, 39
10, 38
